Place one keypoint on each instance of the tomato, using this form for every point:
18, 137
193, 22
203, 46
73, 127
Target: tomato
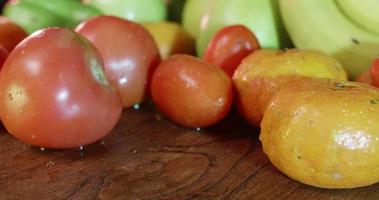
365, 77
374, 71
10, 34
191, 92
229, 46
53, 91
129, 52
3, 55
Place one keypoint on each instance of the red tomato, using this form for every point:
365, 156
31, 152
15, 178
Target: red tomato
10, 34
53, 91
129, 52
374, 71
229, 46
3, 55
191, 92
365, 77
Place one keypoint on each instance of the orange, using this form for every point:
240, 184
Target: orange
324, 133
263, 73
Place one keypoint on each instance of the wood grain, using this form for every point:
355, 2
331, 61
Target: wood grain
148, 157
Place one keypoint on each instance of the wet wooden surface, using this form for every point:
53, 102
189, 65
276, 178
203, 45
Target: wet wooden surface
148, 157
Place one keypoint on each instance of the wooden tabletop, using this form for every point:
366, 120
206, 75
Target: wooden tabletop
148, 157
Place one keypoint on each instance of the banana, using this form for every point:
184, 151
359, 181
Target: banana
321, 24
362, 13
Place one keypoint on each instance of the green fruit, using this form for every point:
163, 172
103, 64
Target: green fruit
72, 11
30, 17
33, 15
175, 9
193, 12
262, 17
140, 11
362, 13
321, 25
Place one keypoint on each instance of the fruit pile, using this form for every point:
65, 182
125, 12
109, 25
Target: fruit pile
69, 68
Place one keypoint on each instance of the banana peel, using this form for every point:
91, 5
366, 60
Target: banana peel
321, 24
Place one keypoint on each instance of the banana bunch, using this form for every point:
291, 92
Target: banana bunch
346, 29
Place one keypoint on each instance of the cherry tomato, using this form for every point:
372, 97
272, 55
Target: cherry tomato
3, 55
10, 34
191, 92
229, 46
129, 52
365, 77
53, 91
374, 71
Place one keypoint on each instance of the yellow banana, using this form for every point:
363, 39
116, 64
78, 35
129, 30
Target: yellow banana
321, 24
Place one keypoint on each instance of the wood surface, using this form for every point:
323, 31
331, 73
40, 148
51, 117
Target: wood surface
148, 157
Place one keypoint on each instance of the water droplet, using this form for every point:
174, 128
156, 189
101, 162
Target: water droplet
42, 149
81, 148
102, 142
134, 152
136, 106
198, 129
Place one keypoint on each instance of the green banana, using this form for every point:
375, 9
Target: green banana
33, 15
361, 12
321, 24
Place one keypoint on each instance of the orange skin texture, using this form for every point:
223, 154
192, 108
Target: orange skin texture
191, 92
252, 103
229, 46
265, 72
324, 133
129, 52
10, 34
54, 93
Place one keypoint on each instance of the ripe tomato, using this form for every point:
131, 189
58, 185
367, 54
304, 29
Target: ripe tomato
130, 54
191, 92
374, 71
3, 55
53, 91
10, 34
365, 77
229, 46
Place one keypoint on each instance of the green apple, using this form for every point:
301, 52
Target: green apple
193, 12
134, 10
262, 17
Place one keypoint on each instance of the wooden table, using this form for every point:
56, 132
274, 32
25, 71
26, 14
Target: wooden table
148, 157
